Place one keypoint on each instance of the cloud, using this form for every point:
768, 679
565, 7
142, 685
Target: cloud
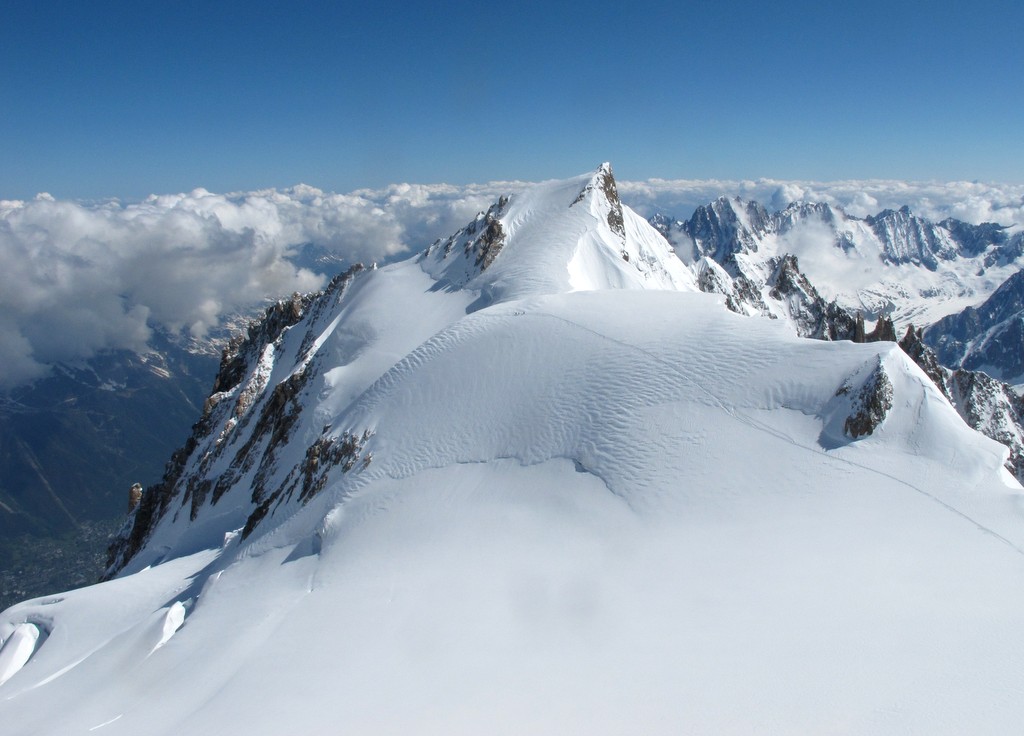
77, 278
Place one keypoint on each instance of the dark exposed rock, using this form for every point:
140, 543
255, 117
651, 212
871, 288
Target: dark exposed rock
975, 239
605, 181
811, 314
992, 408
911, 239
870, 405
274, 412
611, 193
490, 243
913, 345
480, 242
885, 331
989, 337
134, 496
310, 476
717, 231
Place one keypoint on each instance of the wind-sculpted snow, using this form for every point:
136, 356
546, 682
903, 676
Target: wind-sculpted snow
528, 506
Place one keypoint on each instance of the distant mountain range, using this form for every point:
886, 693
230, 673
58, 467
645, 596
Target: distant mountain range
894, 264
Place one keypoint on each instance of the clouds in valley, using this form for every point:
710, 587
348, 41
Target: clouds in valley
77, 278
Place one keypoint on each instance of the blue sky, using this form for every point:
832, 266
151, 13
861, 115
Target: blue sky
125, 99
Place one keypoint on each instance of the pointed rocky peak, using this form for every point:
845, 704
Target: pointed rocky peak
728, 226
553, 237
803, 306
665, 224
788, 280
803, 209
602, 184
907, 238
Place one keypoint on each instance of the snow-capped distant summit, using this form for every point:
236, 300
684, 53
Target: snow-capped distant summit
564, 235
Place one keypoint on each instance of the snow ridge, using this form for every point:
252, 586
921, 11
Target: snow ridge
539, 478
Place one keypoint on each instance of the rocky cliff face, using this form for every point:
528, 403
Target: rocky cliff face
989, 337
894, 263
240, 398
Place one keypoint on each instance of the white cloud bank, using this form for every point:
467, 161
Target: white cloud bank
76, 278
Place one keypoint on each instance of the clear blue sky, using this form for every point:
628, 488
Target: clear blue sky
128, 98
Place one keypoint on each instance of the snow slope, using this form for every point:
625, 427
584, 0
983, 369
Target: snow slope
561, 508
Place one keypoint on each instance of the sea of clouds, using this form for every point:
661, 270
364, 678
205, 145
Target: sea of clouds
80, 277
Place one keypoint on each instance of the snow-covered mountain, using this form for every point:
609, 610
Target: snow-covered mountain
533, 479
989, 337
894, 264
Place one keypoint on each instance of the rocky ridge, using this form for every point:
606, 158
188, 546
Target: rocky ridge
988, 337
269, 379
240, 397
894, 263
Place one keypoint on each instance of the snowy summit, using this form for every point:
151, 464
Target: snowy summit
532, 480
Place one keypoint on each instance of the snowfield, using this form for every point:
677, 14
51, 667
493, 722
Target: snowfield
591, 500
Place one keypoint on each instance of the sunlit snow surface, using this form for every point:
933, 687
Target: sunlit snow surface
596, 512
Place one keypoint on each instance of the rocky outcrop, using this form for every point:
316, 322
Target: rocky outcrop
726, 227
911, 239
870, 404
473, 248
810, 313
134, 496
